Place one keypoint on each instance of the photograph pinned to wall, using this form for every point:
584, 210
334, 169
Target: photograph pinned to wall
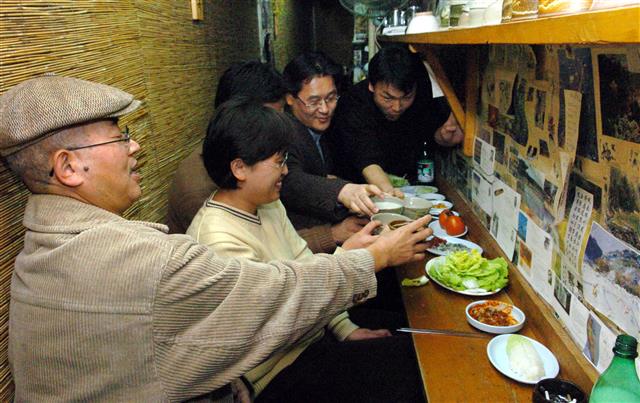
562, 297
568, 137
530, 93
266, 31
520, 127
599, 342
504, 220
523, 221
485, 134
623, 215
591, 349
619, 97
524, 257
550, 192
576, 77
611, 279
540, 108
504, 93
481, 192
492, 116
461, 174
608, 152
477, 151
544, 148
498, 143
540, 245
577, 321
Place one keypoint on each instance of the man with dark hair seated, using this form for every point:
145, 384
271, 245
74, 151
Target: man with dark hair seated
245, 152
191, 185
381, 123
311, 192
107, 309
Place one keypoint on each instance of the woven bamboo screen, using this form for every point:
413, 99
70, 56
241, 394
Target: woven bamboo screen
293, 30
149, 48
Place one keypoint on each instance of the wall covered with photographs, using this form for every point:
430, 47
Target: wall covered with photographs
555, 177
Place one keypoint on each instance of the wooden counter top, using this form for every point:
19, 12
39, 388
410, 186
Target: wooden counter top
457, 368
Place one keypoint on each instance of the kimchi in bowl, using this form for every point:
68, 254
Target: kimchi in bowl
493, 316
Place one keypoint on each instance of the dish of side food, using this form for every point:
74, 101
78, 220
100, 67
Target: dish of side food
522, 359
468, 273
445, 245
493, 316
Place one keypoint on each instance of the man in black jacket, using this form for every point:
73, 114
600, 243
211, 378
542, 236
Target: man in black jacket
382, 123
311, 194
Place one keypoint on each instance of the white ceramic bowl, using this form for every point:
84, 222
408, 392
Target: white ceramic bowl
387, 218
423, 22
389, 204
516, 313
431, 196
416, 207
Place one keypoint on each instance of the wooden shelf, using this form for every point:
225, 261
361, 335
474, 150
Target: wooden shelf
614, 26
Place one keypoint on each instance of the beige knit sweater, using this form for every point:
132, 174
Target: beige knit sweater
106, 309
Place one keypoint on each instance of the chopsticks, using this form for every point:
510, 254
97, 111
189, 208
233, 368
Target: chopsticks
443, 332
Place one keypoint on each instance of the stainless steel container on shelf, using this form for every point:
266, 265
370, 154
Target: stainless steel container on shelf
396, 18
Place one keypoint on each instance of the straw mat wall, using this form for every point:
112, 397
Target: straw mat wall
149, 48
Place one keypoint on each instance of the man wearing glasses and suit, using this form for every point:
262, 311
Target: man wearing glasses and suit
311, 193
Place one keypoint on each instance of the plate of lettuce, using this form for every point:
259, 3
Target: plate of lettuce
468, 273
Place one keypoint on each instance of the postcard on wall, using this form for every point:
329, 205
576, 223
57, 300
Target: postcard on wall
572, 105
574, 237
562, 299
481, 191
623, 215
535, 251
598, 344
484, 155
611, 279
504, 220
619, 82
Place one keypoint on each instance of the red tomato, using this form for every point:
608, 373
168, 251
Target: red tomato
454, 225
444, 216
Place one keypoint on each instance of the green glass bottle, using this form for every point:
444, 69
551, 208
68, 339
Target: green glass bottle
426, 167
619, 383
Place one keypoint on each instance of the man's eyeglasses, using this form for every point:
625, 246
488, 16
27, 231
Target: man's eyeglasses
281, 164
125, 137
316, 104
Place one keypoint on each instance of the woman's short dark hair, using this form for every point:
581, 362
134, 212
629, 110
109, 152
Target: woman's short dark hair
243, 128
308, 65
258, 81
396, 65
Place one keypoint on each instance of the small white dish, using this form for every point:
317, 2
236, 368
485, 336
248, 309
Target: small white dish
497, 352
441, 233
436, 209
455, 241
516, 314
477, 292
418, 189
431, 196
387, 218
416, 207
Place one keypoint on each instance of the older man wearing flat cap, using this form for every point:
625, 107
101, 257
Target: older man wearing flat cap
107, 309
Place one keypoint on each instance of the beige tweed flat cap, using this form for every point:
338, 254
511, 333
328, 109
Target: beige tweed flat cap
36, 108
